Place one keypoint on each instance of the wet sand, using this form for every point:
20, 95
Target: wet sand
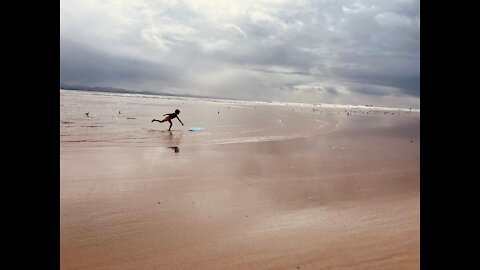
263, 187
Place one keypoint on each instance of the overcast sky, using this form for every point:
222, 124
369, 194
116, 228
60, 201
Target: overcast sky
315, 51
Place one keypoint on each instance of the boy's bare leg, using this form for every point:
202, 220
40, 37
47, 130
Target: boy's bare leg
170, 125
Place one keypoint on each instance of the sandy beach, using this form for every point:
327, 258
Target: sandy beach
264, 186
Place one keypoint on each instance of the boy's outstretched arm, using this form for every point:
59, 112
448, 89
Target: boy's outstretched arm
180, 120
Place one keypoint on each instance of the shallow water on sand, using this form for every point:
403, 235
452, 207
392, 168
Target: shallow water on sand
223, 123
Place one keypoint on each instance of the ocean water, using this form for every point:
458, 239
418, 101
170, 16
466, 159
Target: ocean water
236, 102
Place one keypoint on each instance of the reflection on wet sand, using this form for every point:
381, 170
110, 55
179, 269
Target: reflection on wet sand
175, 148
173, 140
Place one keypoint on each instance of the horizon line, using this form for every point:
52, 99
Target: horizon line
103, 89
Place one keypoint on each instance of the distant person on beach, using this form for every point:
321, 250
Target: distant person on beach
169, 117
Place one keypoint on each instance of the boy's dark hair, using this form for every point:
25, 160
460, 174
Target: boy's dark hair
177, 111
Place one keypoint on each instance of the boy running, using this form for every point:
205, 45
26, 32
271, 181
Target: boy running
169, 117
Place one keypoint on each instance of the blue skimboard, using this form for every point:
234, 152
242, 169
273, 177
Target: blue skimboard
196, 129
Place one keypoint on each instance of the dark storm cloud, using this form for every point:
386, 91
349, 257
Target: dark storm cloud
331, 90
342, 50
82, 65
406, 84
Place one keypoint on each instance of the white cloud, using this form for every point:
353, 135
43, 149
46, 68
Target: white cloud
237, 29
357, 8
